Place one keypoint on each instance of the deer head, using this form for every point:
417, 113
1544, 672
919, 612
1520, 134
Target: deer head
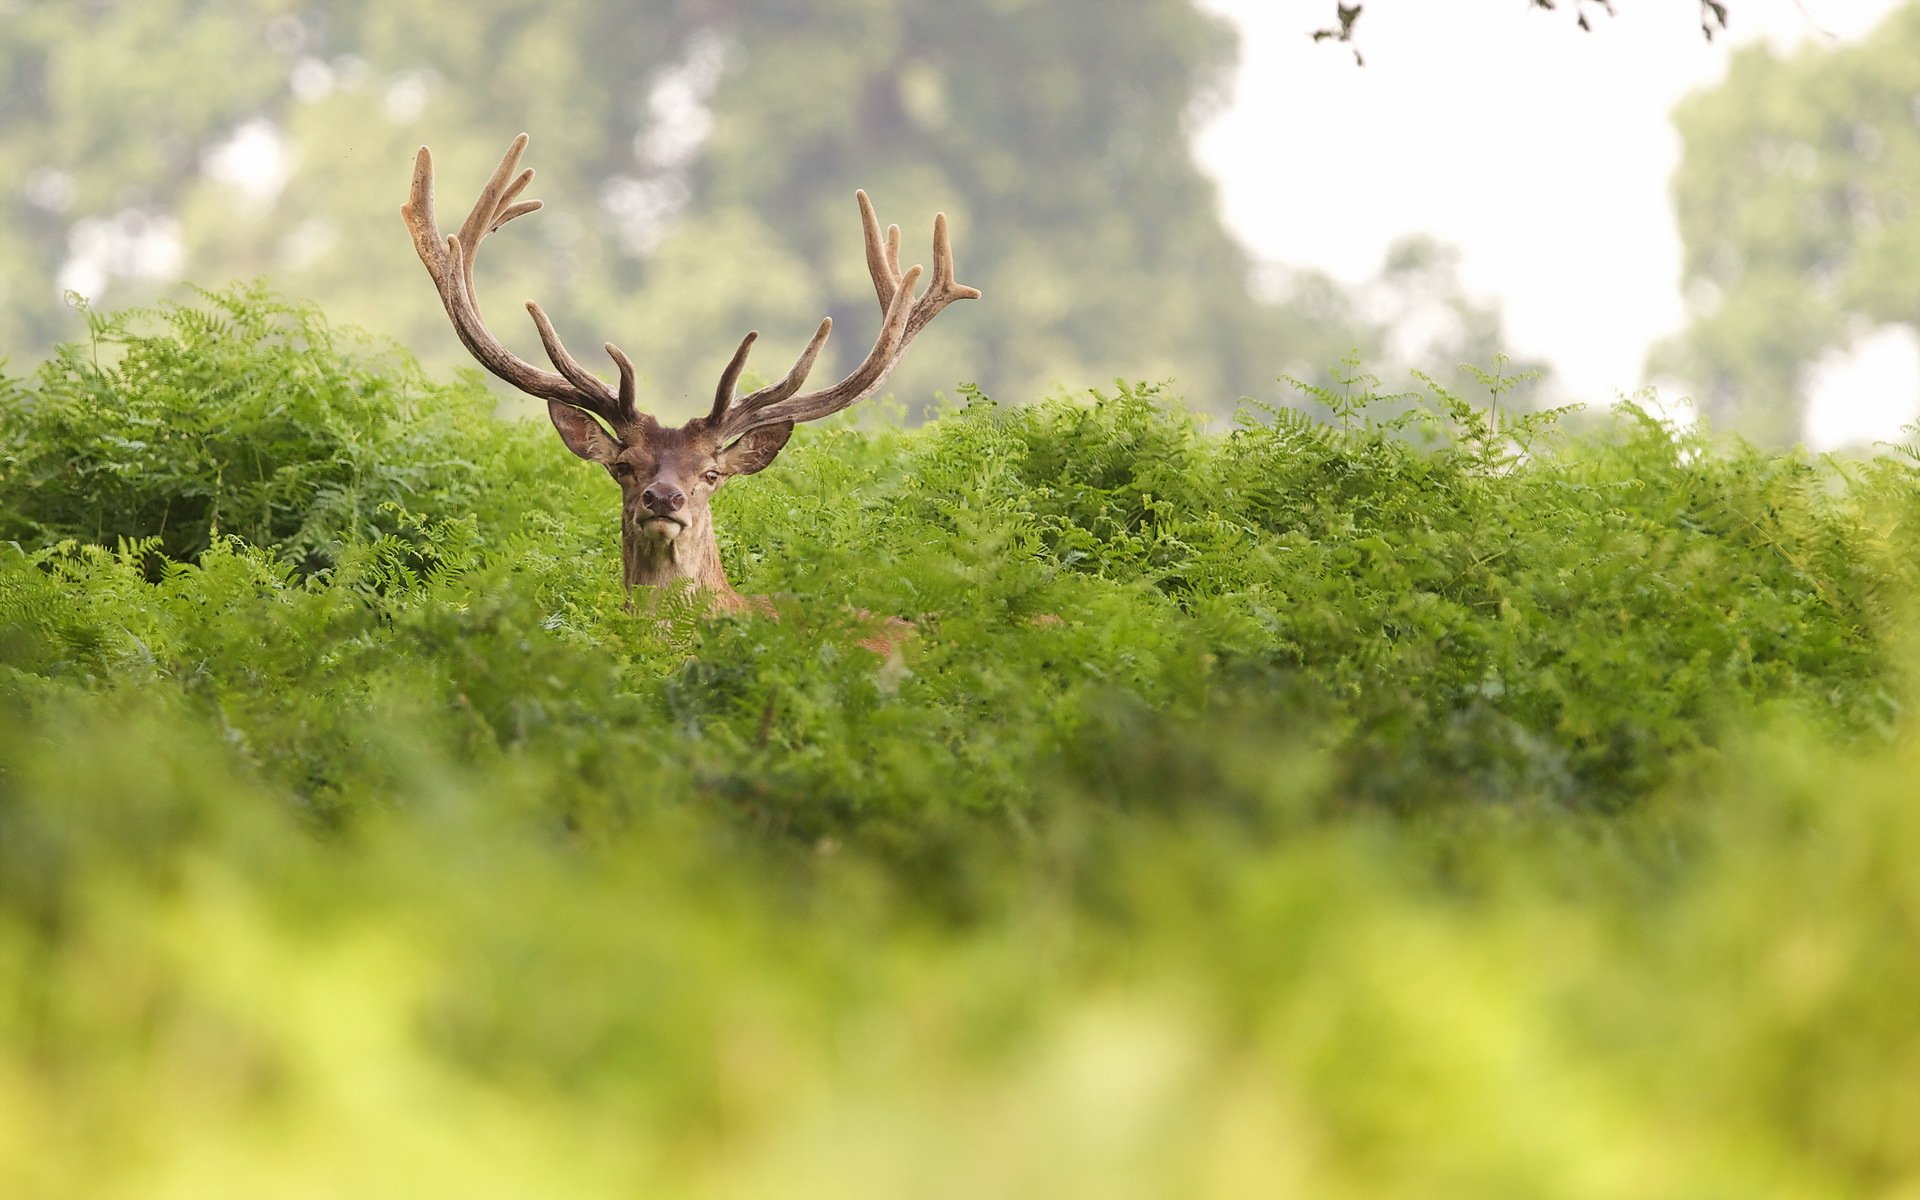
667, 476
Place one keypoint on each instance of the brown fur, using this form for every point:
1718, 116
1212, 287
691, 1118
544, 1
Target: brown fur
660, 551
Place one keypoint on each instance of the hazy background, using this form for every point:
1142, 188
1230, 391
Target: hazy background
1160, 188
1546, 156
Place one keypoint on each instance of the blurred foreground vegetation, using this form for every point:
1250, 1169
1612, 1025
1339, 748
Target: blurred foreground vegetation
1443, 806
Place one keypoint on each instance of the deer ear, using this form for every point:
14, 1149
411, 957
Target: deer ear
582, 434
753, 450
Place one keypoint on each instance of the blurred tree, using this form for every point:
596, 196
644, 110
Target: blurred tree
102, 135
1432, 321
700, 158
1798, 198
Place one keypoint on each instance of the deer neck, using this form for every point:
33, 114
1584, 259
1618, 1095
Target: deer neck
693, 557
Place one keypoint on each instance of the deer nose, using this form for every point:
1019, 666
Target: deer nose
663, 499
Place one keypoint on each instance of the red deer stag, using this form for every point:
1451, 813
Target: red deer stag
667, 476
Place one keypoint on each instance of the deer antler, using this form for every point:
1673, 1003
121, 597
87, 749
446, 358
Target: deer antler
450, 263
901, 317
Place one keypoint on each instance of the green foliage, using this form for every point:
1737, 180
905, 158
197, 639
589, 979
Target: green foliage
1455, 595
244, 416
1430, 804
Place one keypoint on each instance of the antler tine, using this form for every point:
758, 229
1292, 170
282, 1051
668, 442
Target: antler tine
742, 414
586, 381
729, 379
487, 213
883, 251
504, 210
417, 212
870, 374
903, 316
449, 262
629, 411
944, 289
500, 189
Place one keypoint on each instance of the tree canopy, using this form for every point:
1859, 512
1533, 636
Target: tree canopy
698, 160
1797, 197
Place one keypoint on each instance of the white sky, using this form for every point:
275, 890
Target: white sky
1541, 151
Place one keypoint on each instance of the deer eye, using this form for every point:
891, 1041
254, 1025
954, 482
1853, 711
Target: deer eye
712, 476
623, 470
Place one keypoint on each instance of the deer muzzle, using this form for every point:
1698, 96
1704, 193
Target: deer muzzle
663, 499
